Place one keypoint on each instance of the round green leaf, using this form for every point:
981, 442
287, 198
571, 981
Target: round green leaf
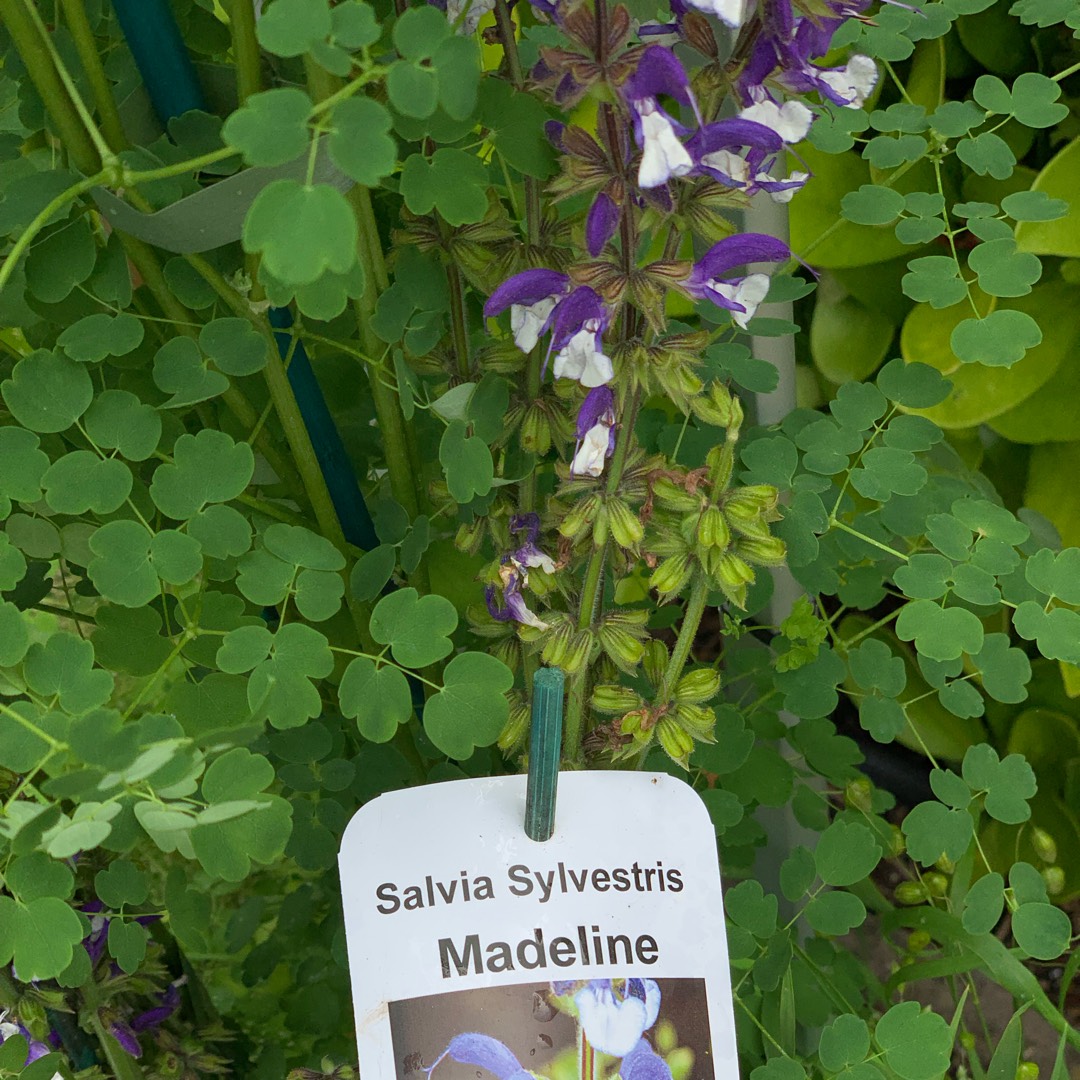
234, 345
377, 698
360, 143
207, 468
47, 391
81, 481
846, 852
417, 628
94, 337
916, 1044
471, 708
1041, 930
271, 128
118, 420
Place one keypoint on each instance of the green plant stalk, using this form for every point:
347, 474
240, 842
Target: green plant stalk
458, 322
35, 55
245, 50
691, 621
90, 58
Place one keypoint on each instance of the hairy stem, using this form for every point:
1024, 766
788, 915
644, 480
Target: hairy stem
695, 609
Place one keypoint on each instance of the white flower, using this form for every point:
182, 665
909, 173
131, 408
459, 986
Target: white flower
730, 12
791, 121
615, 1026
580, 360
475, 10
854, 82
730, 164
747, 292
662, 155
526, 322
592, 451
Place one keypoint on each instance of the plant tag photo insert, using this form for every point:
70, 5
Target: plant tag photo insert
477, 953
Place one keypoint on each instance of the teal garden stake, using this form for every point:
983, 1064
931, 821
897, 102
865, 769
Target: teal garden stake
545, 748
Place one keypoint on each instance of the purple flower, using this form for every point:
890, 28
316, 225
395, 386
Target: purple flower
527, 554
9, 1028
577, 329
595, 433
485, 1052
513, 608
710, 279
531, 297
662, 154
643, 1063
742, 153
601, 223
168, 1003
128, 1040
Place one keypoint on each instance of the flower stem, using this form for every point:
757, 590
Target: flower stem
457, 319
245, 50
90, 58
695, 609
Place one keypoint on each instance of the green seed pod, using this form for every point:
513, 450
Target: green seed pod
558, 645
1027, 1070
721, 462
945, 865
697, 686
677, 744
579, 517
937, 884
715, 406
911, 892
508, 650
631, 723
577, 654
897, 845
600, 526
858, 794
762, 551
917, 941
536, 430
1044, 845
671, 575
670, 495
517, 727
713, 530
470, 536
614, 699
621, 646
696, 720
626, 527
656, 660
1054, 877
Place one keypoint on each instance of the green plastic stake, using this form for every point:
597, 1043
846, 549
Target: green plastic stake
545, 748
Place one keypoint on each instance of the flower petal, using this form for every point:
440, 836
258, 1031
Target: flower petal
643, 1063
659, 71
525, 288
740, 250
472, 1048
601, 223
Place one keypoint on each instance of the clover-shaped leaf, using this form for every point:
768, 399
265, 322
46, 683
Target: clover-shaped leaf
845, 853
1055, 574
118, 420
81, 481
377, 698
271, 128
1002, 270
292, 27
1055, 632
467, 462
234, 345
916, 1044
1008, 783
941, 633
180, 369
208, 467
984, 903
935, 280
471, 708
280, 687
1005, 670
361, 144
417, 628
987, 154
94, 337
872, 204
1035, 100
47, 391
453, 182
844, 1042
835, 913
933, 830
301, 230
63, 666
999, 339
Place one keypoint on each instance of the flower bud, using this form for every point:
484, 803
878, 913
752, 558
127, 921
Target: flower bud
624, 649
897, 843
1044, 845
721, 461
735, 424
937, 884
676, 743
631, 618
910, 892
671, 575
517, 727
732, 574
626, 527
713, 530
579, 517
1054, 877
656, 660
701, 684
613, 699
762, 551
945, 864
673, 496
631, 723
1027, 1070
536, 430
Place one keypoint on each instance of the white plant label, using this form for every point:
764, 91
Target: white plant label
479, 954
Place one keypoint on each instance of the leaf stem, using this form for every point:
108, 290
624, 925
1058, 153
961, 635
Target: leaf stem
90, 57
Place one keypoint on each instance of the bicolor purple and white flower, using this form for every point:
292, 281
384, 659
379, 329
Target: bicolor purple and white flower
662, 152
791, 120
595, 433
514, 575
531, 297
577, 330
743, 154
10, 1027
527, 555
711, 277
730, 12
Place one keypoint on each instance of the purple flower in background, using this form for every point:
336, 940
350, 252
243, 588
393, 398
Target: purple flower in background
128, 1040
657, 133
577, 329
9, 1028
710, 279
168, 1003
485, 1052
742, 154
644, 1063
531, 297
595, 433
601, 223
514, 575
614, 1020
